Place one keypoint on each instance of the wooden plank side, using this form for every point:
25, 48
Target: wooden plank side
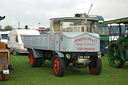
36, 41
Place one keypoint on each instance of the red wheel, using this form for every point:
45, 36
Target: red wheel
93, 69
35, 62
31, 58
95, 66
58, 66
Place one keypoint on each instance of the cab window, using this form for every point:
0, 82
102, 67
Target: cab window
73, 26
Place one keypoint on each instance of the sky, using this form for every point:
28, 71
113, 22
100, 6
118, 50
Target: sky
33, 12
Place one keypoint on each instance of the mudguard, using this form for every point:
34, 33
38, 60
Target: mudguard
37, 53
61, 55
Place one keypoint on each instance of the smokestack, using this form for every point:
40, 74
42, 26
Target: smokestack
80, 15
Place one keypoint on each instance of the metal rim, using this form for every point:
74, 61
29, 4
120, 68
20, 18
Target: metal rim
114, 55
56, 65
31, 58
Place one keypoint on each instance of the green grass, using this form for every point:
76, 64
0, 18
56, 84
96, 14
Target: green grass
26, 75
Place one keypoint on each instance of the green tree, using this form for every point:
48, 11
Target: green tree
48, 29
8, 28
1, 28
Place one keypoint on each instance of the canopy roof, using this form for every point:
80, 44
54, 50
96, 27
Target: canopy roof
117, 21
72, 18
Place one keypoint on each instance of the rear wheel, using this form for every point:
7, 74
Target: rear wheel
95, 66
114, 56
35, 62
58, 66
14, 52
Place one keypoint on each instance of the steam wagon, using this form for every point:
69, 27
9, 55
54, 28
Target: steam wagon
118, 47
72, 41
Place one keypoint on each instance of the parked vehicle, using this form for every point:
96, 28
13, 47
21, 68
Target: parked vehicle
118, 48
42, 30
5, 65
16, 39
4, 61
4, 36
114, 31
72, 40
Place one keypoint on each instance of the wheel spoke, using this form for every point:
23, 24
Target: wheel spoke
112, 49
114, 58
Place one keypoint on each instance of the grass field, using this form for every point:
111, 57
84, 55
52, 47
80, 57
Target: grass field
26, 75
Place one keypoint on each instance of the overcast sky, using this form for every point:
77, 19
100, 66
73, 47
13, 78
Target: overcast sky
32, 12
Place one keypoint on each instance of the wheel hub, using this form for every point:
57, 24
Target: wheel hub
115, 53
55, 65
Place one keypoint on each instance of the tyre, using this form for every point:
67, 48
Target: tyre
34, 62
11, 51
114, 55
14, 52
95, 66
58, 66
40, 62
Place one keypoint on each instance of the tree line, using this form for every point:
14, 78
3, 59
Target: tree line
6, 28
9, 28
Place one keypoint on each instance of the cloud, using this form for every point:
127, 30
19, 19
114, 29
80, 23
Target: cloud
111, 8
32, 12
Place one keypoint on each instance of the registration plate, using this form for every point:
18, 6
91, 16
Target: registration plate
5, 71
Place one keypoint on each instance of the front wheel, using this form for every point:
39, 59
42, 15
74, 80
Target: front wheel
95, 66
58, 66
